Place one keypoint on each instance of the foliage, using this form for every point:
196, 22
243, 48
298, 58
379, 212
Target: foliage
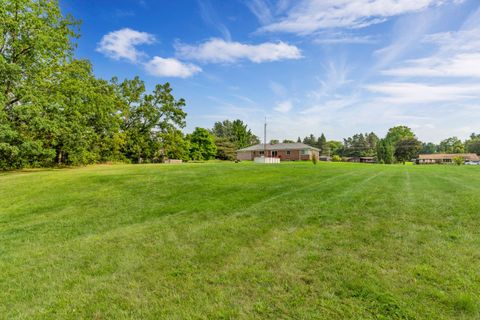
202, 144
288, 141
472, 145
458, 160
35, 45
429, 148
149, 120
335, 147
314, 158
336, 158
225, 149
360, 145
451, 145
54, 111
323, 145
407, 149
274, 141
174, 145
235, 131
311, 140
385, 152
398, 133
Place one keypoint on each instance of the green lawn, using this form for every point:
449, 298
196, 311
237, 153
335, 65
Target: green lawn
229, 241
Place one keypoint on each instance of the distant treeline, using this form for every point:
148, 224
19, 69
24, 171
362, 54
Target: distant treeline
399, 145
55, 112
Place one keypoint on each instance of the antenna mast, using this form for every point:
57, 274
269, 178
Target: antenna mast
265, 138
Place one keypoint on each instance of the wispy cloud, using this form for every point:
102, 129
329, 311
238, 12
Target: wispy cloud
457, 56
343, 38
210, 17
220, 51
277, 88
310, 16
284, 106
450, 72
419, 93
261, 9
407, 35
334, 77
121, 44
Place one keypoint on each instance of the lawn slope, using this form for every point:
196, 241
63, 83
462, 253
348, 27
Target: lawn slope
219, 241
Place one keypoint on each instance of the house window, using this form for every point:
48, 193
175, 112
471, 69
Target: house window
305, 152
261, 153
274, 153
288, 151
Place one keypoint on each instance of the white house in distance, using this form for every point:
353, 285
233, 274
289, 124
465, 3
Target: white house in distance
283, 151
446, 158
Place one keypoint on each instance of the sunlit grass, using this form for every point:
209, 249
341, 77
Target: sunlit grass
224, 240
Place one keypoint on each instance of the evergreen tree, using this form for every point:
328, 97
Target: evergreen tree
225, 149
385, 152
310, 140
236, 132
323, 145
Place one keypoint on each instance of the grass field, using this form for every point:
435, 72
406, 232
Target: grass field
229, 241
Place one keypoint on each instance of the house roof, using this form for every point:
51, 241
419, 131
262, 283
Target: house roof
278, 146
440, 156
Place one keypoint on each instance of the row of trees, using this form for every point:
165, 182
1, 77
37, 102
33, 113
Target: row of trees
54, 111
399, 145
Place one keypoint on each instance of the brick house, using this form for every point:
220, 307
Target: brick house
284, 151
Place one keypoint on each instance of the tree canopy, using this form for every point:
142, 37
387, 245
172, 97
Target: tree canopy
202, 144
235, 131
54, 111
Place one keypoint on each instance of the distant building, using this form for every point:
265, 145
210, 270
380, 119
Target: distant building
360, 159
283, 151
445, 158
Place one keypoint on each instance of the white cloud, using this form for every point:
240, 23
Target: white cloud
309, 16
344, 39
121, 44
415, 93
457, 56
221, 51
460, 65
170, 67
450, 73
284, 106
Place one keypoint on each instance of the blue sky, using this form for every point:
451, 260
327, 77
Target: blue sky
311, 66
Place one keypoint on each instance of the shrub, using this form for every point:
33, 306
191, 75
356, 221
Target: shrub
314, 159
336, 158
458, 160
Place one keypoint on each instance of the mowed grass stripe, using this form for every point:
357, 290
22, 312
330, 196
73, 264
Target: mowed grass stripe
331, 241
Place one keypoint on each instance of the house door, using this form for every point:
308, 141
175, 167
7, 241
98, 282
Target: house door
274, 154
